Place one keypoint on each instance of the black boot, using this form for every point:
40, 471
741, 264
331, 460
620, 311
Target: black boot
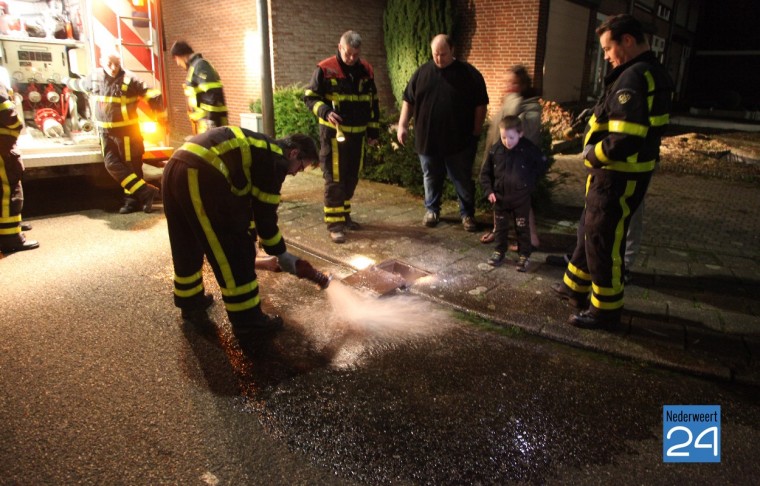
131, 205
13, 243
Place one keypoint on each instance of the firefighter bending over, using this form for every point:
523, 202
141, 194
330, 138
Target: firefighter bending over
116, 93
203, 89
343, 96
221, 191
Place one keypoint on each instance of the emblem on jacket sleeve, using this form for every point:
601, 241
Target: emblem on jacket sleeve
623, 97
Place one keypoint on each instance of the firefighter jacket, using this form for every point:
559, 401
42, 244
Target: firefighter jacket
10, 123
116, 100
203, 89
254, 167
348, 90
512, 174
625, 130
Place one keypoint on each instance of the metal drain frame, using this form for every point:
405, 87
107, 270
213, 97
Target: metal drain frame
386, 277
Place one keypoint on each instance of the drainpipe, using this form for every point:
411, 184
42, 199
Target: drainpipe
267, 104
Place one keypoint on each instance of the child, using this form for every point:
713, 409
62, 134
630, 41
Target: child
508, 176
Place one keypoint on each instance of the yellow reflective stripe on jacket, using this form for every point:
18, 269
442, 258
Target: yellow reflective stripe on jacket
207, 86
345, 128
118, 124
13, 133
348, 97
7, 105
627, 166
660, 120
271, 241
266, 197
204, 106
115, 99
628, 128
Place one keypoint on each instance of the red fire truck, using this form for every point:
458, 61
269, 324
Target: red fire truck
44, 42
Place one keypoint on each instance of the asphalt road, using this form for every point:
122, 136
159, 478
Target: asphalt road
102, 383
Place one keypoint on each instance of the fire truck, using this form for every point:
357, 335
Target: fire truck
44, 42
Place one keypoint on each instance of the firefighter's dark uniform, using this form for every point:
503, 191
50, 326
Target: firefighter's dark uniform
116, 99
622, 143
11, 169
205, 96
349, 91
221, 189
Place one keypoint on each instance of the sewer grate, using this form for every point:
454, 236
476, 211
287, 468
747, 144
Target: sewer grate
385, 277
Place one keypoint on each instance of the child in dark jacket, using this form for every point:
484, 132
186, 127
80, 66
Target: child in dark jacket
508, 176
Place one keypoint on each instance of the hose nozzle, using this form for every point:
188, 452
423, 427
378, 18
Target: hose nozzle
305, 270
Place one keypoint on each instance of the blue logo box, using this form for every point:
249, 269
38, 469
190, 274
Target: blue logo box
691, 433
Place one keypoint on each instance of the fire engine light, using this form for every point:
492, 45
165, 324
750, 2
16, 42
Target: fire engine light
148, 127
138, 3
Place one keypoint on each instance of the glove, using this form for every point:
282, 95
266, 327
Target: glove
588, 148
287, 262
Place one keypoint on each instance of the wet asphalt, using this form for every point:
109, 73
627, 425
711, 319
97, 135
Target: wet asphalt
102, 383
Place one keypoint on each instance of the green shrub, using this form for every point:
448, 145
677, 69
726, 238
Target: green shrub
291, 114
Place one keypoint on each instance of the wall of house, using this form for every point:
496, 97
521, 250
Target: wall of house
303, 33
496, 34
226, 36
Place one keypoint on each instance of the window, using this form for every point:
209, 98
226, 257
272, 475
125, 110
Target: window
663, 12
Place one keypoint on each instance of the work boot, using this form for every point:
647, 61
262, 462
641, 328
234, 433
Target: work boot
431, 219
469, 224
198, 311
262, 324
522, 264
592, 319
26, 226
131, 205
352, 225
496, 259
566, 294
338, 236
14, 243
150, 193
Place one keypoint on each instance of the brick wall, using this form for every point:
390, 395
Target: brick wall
304, 33
496, 34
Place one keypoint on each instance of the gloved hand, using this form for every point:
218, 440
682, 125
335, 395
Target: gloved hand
586, 150
287, 262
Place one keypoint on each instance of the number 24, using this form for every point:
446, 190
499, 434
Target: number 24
697, 444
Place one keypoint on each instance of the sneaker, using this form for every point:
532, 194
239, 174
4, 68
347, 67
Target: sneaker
469, 224
431, 219
496, 258
338, 236
522, 263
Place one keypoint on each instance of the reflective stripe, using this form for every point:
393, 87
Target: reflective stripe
330, 210
628, 128
206, 107
348, 97
5, 204
273, 240
659, 120
627, 166
188, 292
127, 150
208, 86
243, 289
124, 123
335, 160
315, 108
13, 133
345, 128
115, 99
189, 279
265, 197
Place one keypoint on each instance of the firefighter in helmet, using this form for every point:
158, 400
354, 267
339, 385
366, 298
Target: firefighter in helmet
343, 96
116, 94
203, 89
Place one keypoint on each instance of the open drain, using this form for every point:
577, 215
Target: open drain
386, 277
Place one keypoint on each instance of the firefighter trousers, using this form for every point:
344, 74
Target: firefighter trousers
205, 218
341, 163
597, 264
11, 193
123, 160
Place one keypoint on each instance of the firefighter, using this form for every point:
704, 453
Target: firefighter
343, 96
11, 169
622, 144
203, 88
116, 94
221, 191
